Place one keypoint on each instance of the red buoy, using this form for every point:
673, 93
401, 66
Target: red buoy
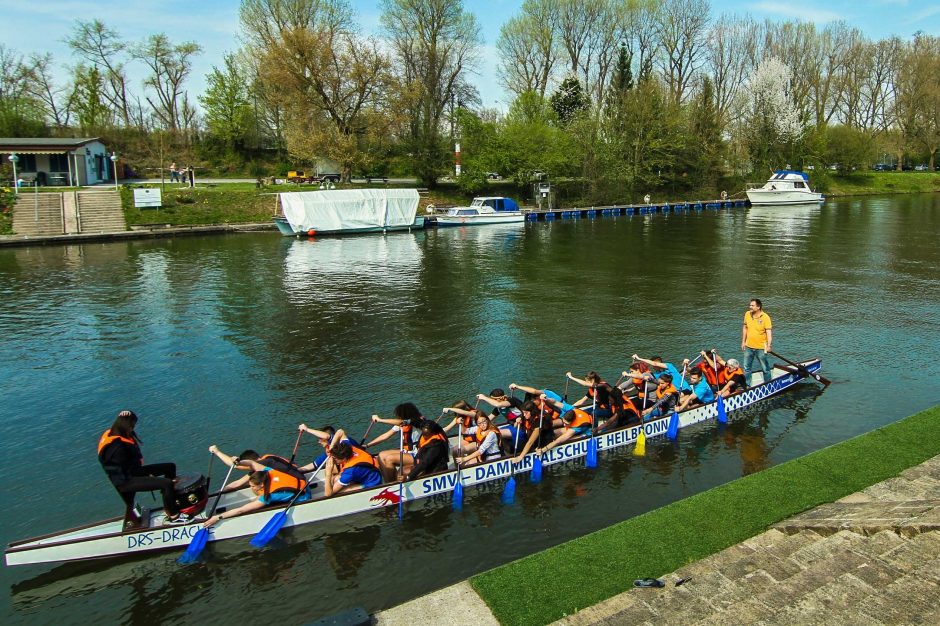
311, 232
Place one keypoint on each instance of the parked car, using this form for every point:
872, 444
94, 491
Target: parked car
882, 167
921, 168
538, 174
493, 176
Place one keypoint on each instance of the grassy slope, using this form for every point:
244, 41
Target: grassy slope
603, 564
865, 183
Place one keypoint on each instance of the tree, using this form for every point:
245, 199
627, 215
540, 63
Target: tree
20, 112
331, 84
705, 127
169, 66
88, 100
103, 47
55, 99
528, 47
849, 147
227, 107
436, 43
681, 27
771, 121
569, 101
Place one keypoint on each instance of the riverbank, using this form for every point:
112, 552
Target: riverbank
603, 565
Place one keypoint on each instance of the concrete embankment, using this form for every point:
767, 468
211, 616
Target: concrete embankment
846, 535
140, 233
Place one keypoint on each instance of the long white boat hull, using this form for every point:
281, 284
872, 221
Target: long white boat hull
486, 218
795, 196
106, 539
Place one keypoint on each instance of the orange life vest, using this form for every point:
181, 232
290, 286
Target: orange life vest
406, 436
467, 425
480, 435
580, 419
669, 390
551, 410
427, 440
709, 373
728, 375
359, 458
107, 439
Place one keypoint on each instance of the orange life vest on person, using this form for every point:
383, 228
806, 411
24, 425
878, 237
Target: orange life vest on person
480, 435
359, 458
107, 439
592, 391
281, 475
660, 394
426, 440
709, 373
728, 375
406, 436
551, 411
467, 425
580, 419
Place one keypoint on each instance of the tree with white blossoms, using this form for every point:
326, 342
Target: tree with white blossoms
771, 121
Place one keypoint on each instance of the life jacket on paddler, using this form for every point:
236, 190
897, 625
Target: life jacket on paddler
281, 475
406, 432
581, 418
727, 374
602, 391
711, 377
426, 440
662, 393
551, 411
359, 458
467, 425
106, 443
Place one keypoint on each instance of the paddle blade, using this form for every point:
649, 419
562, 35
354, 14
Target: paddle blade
591, 458
270, 529
458, 495
509, 491
640, 448
673, 432
195, 547
722, 413
536, 474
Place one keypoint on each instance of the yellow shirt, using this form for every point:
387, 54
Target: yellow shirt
757, 328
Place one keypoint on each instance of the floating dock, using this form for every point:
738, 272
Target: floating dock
634, 209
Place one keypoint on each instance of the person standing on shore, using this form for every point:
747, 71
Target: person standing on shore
174, 173
756, 339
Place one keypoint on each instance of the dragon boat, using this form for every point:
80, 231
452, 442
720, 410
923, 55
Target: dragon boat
108, 539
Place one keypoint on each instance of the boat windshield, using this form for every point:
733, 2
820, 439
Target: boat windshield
477, 202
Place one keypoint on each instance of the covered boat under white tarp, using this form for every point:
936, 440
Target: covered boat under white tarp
349, 210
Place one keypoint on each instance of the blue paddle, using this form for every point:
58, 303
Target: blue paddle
509, 491
673, 431
536, 474
266, 534
591, 458
198, 543
722, 413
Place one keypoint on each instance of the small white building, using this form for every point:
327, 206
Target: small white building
57, 161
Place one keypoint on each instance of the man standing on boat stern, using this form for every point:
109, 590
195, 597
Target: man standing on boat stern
756, 338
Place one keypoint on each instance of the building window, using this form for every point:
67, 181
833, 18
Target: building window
58, 163
27, 163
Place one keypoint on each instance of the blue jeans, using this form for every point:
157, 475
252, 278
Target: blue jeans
750, 354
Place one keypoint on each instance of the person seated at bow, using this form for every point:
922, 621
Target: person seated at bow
272, 480
120, 457
349, 468
666, 397
700, 394
658, 367
406, 421
575, 423
432, 454
624, 412
487, 438
597, 390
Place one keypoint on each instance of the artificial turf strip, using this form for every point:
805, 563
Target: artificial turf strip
559, 581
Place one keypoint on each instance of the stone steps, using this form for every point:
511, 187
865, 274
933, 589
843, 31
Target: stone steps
100, 212
868, 559
38, 214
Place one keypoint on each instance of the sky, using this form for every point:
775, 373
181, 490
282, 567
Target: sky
37, 27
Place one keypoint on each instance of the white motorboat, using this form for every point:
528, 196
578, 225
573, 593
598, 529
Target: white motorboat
486, 210
784, 187
109, 539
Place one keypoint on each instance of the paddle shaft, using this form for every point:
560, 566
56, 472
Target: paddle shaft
366, 434
802, 369
293, 455
218, 496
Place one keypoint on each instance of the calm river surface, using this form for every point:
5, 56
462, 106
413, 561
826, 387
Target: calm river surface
234, 340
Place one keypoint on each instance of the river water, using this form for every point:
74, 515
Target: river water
234, 340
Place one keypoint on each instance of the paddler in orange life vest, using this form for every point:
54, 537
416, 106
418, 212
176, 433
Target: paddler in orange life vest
595, 387
406, 421
272, 480
349, 467
432, 452
120, 456
576, 423
487, 438
666, 397
465, 415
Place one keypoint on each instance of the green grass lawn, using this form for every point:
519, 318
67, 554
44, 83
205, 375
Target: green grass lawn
865, 183
559, 581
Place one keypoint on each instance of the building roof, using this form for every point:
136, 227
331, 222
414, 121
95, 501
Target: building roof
41, 145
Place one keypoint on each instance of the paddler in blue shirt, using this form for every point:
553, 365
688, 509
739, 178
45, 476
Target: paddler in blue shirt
658, 367
701, 392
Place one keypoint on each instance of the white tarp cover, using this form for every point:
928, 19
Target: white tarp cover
349, 209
